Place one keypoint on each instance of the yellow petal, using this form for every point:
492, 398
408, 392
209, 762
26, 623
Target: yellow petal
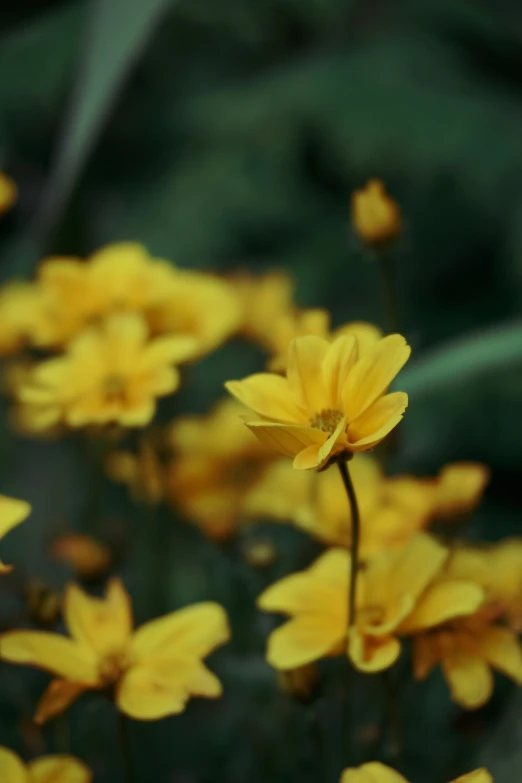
501, 648
377, 421
373, 373
52, 652
287, 439
338, 362
59, 769
12, 512
442, 601
374, 772
305, 372
371, 653
102, 624
317, 456
304, 640
192, 632
478, 776
469, 678
12, 770
267, 395
169, 350
57, 697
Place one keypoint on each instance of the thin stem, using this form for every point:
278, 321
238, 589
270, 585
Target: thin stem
389, 292
356, 534
125, 750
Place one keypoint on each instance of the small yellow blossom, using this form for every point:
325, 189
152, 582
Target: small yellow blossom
142, 472
153, 671
8, 193
216, 460
263, 301
375, 772
12, 512
86, 556
376, 217
46, 769
110, 374
333, 401
460, 488
396, 595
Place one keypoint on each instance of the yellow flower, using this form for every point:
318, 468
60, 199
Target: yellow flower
19, 303
8, 193
110, 374
12, 512
263, 301
460, 488
375, 772
153, 671
376, 217
396, 595
142, 472
332, 402
86, 556
216, 460
46, 769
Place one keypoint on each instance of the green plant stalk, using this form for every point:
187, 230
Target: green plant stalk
356, 535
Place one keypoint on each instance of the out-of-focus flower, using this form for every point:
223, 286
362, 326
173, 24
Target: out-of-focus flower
460, 488
46, 769
376, 217
12, 512
216, 460
332, 402
396, 595
43, 603
83, 554
287, 327
19, 303
110, 374
299, 683
141, 472
375, 772
8, 193
259, 553
153, 671
263, 300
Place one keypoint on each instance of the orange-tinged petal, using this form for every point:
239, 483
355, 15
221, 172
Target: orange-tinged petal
190, 633
377, 421
425, 655
287, 439
441, 602
12, 770
57, 697
305, 371
52, 652
469, 678
501, 648
372, 654
373, 373
268, 395
478, 776
102, 624
374, 772
12, 513
338, 362
303, 640
59, 769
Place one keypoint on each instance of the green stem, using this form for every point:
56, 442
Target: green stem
125, 748
356, 534
389, 292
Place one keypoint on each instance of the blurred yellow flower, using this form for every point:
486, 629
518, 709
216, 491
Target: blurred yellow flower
110, 374
216, 460
376, 217
8, 193
153, 671
12, 512
263, 301
375, 772
19, 304
82, 553
332, 402
46, 769
142, 472
396, 595
460, 488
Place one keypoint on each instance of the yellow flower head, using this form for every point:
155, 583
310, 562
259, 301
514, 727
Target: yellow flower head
460, 488
375, 772
19, 304
12, 512
263, 301
86, 556
153, 671
8, 193
110, 374
396, 595
216, 461
376, 217
46, 769
142, 472
333, 401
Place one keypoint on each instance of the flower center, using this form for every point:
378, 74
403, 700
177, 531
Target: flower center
327, 420
112, 667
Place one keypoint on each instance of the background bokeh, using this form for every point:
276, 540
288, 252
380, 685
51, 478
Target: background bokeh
230, 136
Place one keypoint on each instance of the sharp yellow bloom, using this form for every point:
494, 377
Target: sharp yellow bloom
396, 595
110, 374
153, 671
12, 512
46, 769
376, 217
8, 193
375, 772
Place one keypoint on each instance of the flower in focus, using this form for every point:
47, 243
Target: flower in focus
84, 555
216, 460
142, 472
333, 401
153, 671
376, 217
12, 512
460, 488
8, 193
111, 373
375, 772
396, 595
46, 769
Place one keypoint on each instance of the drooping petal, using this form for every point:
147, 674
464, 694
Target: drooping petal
12, 770
57, 697
287, 439
501, 648
52, 652
371, 653
317, 456
373, 373
303, 640
190, 633
338, 362
305, 372
442, 601
59, 769
102, 624
469, 678
374, 772
377, 421
268, 395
